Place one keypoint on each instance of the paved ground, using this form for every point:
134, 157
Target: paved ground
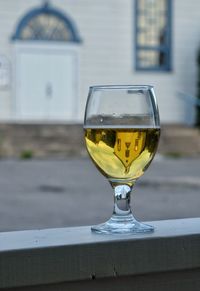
48, 193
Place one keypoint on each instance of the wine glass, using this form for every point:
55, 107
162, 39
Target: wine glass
122, 130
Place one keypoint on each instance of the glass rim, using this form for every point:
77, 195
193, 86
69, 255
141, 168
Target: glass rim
132, 87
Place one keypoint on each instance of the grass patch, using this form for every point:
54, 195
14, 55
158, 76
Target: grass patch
26, 154
174, 155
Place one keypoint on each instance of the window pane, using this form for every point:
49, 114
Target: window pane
46, 27
148, 58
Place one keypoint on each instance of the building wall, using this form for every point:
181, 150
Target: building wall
10, 13
107, 51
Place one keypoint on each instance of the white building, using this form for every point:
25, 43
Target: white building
51, 52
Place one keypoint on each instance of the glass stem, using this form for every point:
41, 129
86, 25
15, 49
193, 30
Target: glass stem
122, 198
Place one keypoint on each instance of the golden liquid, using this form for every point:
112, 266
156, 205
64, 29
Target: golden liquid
122, 155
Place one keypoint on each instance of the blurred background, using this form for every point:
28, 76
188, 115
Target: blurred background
50, 53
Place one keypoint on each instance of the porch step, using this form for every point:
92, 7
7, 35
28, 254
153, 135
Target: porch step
179, 139
66, 140
41, 140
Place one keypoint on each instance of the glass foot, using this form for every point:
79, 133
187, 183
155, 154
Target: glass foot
122, 225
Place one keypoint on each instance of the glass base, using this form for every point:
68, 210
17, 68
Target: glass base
122, 225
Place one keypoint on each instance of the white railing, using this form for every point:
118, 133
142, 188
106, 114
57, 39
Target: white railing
76, 259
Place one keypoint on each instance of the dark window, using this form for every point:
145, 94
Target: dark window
153, 35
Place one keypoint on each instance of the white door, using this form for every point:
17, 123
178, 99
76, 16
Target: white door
46, 85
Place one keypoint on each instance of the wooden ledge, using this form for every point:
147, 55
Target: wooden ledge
50, 256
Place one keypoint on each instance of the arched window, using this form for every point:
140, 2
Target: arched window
46, 24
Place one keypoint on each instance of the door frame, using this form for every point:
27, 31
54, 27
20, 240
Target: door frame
36, 47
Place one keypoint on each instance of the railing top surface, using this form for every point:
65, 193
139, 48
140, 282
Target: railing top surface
37, 257
42, 238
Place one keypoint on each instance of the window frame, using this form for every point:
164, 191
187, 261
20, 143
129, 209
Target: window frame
167, 47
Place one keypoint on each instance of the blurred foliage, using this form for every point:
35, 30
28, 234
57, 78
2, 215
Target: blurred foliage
26, 155
173, 155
